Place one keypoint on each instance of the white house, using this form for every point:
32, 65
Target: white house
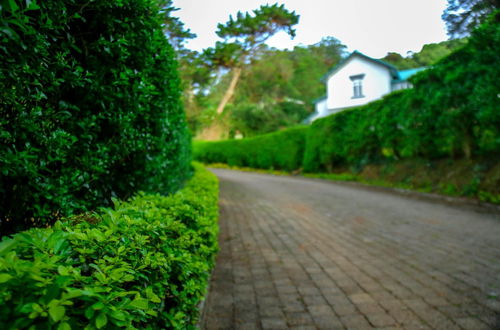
357, 80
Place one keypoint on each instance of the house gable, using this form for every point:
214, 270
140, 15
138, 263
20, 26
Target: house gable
339, 66
358, 80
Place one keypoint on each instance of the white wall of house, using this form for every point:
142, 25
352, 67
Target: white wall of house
376, 83
401, 85
321, 108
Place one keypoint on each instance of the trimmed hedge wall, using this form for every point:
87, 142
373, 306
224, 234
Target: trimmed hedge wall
359, 136
89, 108
452, 112
281, 150
142, 265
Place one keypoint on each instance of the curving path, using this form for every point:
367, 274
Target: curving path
310, 254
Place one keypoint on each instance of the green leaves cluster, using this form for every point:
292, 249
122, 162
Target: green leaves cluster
89, 107
282, 150
249, 30
245, 34
142, 265
427, 56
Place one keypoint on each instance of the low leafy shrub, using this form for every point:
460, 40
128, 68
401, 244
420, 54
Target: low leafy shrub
89, 108
142, 265
281, 150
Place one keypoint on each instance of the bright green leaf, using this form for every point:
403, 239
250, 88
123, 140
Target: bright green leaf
57, 312
139, 303
118, 315
5, 277
98, 305
64, 326
101, 320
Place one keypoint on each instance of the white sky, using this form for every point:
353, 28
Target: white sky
373, 27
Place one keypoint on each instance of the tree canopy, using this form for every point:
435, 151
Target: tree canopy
242, 38
249, 31
428, 55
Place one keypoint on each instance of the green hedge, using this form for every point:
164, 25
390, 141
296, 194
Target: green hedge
281, 150
359, 136
142, 265
89, 107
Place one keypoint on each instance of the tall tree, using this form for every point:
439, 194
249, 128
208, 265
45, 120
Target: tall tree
243, 36
462, 16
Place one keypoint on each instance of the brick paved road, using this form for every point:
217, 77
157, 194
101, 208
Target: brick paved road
307, 254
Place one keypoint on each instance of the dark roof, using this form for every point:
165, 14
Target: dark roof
392, 68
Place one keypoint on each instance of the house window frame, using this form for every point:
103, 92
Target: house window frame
357, 85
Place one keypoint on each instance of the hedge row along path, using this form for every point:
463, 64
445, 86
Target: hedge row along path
308, 254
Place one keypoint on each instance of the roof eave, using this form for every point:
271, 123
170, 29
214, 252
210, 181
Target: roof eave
392, 69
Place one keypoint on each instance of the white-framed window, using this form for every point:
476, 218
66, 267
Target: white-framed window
357, 85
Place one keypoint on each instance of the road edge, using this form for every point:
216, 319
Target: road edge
461, 202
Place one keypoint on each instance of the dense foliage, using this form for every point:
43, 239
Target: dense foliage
89, 107
142, 265
252, 119
281, 150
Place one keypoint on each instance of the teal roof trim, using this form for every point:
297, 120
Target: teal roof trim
406, 74
391, 67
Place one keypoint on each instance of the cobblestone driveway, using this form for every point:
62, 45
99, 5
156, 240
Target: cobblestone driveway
307, 254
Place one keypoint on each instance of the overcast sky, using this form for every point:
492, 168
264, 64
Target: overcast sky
373, 27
